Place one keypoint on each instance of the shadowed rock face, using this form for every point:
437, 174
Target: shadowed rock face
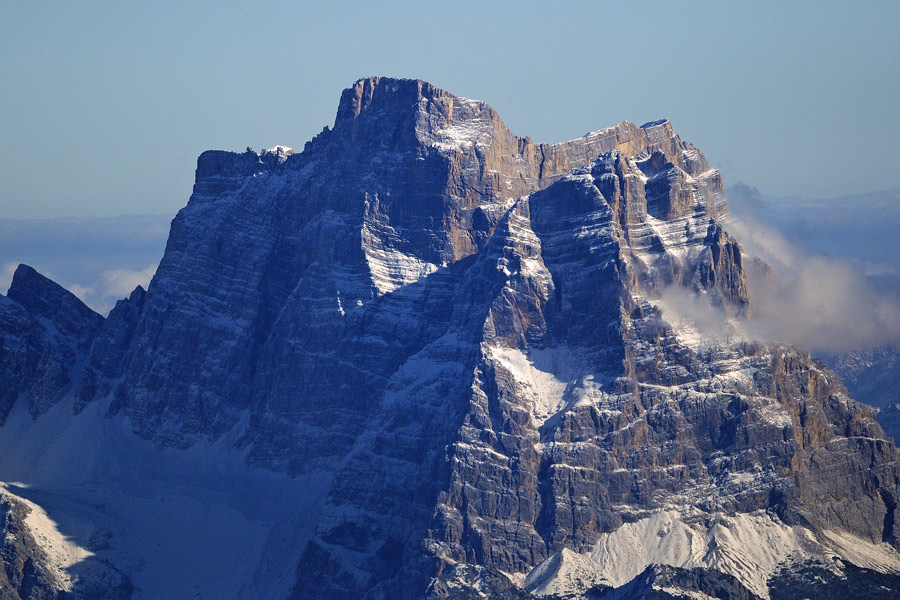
872, 376
43, 298
660, 582
44, 330
469, 334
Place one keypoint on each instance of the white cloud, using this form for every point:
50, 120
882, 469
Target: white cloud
691, 312
821, 303
112, 286
100, 260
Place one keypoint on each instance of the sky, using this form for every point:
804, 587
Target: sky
105, 106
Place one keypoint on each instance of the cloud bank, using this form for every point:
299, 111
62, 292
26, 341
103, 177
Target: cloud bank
100, 260
823, 303
112, 286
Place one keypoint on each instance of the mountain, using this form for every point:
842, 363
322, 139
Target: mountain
425, 357
872, 375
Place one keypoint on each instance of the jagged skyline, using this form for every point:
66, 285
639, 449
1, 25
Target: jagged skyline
426, 356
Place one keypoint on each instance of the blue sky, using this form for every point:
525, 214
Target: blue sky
105, 106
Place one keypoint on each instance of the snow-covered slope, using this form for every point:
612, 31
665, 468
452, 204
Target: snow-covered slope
197, 523
751, 547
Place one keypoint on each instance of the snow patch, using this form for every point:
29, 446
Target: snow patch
878, 557
279, 151
473, 130
390, 268
563, 573
541, 375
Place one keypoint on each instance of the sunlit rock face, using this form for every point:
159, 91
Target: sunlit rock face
488, 350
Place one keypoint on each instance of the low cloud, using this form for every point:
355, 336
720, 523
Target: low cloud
861, 228
826, 304
100, 260
112, 286
690, 312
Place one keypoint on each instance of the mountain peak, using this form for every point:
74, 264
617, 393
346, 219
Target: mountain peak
379, 93
462, 354
656, 123
46, 298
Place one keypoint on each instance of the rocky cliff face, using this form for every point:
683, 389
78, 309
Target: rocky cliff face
872, 376
410, 180
485, 347
30, 571
25, 573
44, 332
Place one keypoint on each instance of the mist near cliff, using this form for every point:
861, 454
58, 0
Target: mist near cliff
823, 274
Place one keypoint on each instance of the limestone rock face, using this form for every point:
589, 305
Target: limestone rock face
410, 181
43, 298
872, 376
107, 362
26, 573
488, 348
30, 571
45, 330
